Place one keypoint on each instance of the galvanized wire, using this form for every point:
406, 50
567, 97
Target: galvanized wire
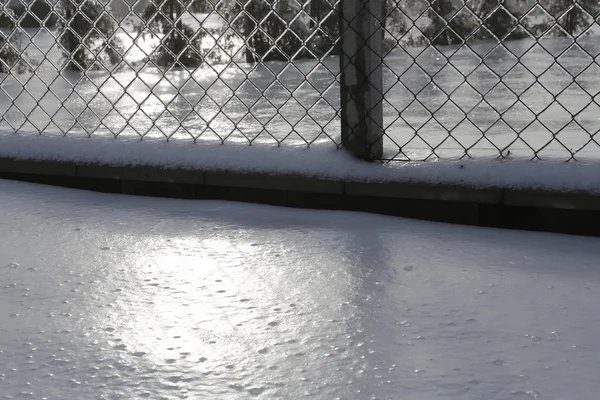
496, 79
477, 78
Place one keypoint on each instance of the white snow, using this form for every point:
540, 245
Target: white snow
322, 160
107, 296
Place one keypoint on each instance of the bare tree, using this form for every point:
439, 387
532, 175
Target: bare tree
86, 34
180, 45
267, 27
446, 25
573, 16
500, 19
324, 26
12, 55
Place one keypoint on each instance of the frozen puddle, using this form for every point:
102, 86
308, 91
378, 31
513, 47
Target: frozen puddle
116, 297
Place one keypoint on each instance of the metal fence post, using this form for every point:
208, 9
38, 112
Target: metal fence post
361, 82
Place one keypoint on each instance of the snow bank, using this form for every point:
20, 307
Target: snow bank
321, 160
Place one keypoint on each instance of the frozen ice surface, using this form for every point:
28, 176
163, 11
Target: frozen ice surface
109, 296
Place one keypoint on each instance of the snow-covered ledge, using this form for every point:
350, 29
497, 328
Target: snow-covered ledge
319, 161
516, 194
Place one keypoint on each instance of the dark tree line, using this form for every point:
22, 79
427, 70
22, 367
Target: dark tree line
453, 22
38, 14
11, 57
86, 35
573, 16
271, 31
180, 45
449, 22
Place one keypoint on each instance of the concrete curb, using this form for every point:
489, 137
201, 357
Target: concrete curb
567, 212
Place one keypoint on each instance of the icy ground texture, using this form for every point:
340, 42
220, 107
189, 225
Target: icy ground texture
107, 296
428, 92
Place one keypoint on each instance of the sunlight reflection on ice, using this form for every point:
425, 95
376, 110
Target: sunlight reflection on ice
299, 102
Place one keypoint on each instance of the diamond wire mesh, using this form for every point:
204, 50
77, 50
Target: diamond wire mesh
461, 79
494, 78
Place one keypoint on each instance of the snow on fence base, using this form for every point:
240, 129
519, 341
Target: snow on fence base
496, 193
320, 161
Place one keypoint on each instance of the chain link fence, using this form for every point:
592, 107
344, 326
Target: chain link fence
446, 79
